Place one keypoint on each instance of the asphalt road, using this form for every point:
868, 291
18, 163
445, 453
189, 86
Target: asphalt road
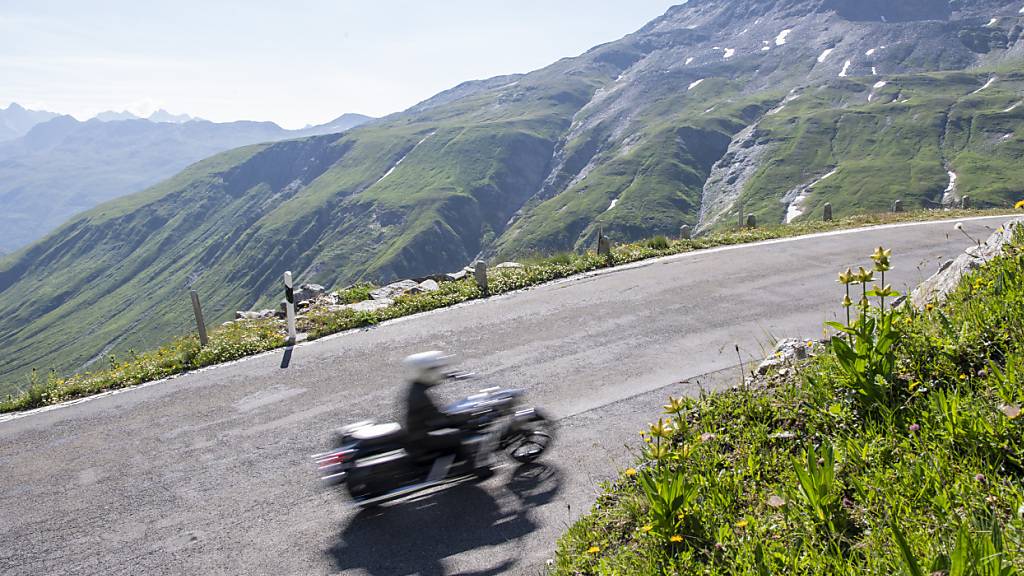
209, 473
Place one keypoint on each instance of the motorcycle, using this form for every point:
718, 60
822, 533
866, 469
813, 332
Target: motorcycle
374, 464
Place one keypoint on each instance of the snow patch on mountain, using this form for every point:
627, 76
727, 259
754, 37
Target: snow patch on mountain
990, 82
992, 22
695, 84
780, 40
729, 53
402, 159
846, 69
613, 204
949, 194
1014, 107
878, 85
795, 208
824, 55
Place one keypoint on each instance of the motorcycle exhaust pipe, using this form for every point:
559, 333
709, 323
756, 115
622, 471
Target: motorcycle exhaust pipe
333, 479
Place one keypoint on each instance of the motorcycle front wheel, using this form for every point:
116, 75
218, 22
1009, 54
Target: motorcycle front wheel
528, 440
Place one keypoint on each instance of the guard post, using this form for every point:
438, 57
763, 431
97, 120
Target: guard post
289, 307
200, 323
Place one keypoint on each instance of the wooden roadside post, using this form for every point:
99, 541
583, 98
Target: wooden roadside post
200, 323
289, 298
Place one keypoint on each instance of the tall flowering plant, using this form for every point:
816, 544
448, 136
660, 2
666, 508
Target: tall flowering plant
867, 355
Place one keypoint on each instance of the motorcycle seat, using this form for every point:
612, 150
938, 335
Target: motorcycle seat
379, 433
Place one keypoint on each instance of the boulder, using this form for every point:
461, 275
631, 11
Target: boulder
504, 265
787, 351
254, 314
428, 286
936, 288
395, 289
308, 292
456, 276
369, 305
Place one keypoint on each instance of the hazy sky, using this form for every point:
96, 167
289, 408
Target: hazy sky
294, 62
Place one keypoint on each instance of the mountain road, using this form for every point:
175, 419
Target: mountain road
210, 472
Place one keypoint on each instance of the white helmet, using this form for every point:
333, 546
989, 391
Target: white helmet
428, 367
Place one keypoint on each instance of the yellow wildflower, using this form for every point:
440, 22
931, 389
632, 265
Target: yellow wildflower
630, 471
676, 538
593, 550
865, 276
1019, 205
742, 523
646, 528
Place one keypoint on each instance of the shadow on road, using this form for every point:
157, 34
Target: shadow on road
286, 360
415, 537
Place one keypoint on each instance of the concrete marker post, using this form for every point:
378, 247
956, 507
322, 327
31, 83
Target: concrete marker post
897, 206
685, 232
827, 212
289, 298
751, 221
200, 323
480, 275
965, 202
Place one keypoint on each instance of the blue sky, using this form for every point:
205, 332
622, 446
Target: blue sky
292, 62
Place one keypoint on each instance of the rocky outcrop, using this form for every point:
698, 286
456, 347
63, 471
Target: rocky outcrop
943, 282
729, 175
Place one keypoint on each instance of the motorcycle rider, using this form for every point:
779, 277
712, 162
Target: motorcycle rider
426, 424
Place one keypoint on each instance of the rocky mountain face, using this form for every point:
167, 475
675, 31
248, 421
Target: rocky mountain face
772, 107
62, 167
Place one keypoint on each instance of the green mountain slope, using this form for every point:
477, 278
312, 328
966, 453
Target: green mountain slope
717, 105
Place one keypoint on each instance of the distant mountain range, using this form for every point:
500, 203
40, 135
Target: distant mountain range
716, 108
16, 121
61, 166
158, 116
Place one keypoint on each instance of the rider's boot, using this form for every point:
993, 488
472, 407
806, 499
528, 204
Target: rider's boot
439, 470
